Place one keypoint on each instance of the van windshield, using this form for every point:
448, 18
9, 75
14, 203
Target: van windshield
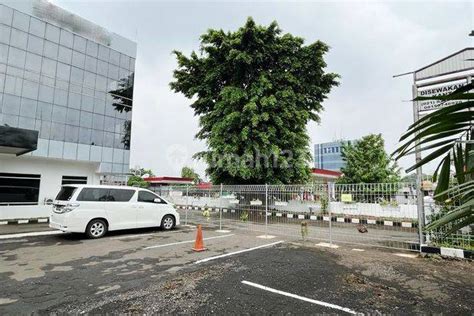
66, 193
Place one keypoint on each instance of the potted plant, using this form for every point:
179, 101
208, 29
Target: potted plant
244, 216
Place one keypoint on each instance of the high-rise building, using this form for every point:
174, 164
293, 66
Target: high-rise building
66, 99
328, 155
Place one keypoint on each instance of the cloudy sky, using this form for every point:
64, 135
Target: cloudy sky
370, 42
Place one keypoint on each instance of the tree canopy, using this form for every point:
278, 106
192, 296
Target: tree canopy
368, 162
188, 172
254, 91
137, 179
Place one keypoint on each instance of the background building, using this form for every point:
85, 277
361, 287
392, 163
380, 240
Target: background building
328, 155
71, 81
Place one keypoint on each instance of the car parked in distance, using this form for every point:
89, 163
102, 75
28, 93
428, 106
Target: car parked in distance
97, 209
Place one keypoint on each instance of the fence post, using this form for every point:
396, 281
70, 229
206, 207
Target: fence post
186, 213
330, 189
220, 209
266, 210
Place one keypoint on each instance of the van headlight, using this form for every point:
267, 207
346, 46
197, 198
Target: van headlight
69, 207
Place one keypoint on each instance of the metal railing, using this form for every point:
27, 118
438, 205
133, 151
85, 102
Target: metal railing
442, 236
380, 214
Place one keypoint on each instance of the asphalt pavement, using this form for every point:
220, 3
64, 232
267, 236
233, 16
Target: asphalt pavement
153, 271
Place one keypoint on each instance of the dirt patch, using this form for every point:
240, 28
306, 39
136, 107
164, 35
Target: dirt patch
424, 279
171, 294
354, 279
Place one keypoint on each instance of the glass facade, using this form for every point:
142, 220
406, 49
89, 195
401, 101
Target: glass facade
328, 155
77, 93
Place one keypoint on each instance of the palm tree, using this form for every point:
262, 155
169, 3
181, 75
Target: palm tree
447, 133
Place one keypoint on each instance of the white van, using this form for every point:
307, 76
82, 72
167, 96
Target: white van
94, 210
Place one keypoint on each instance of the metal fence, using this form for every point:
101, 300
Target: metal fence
463, 238
381, 214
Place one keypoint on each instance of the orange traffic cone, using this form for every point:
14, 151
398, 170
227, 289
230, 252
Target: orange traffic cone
199, 243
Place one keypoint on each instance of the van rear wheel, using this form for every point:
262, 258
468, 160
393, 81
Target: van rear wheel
96, 228
167, 222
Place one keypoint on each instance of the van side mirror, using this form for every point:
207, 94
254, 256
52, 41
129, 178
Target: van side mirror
157, 200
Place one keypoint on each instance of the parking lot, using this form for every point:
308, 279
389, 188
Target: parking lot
145, 271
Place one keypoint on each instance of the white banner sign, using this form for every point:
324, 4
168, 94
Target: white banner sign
438, 90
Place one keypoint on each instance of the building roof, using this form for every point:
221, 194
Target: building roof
169, 180
335, 142
459, 61
324, 173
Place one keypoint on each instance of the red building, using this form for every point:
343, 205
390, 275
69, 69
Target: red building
167, 181
325, 175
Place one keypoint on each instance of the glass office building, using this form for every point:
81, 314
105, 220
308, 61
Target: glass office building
328, 155
71, 81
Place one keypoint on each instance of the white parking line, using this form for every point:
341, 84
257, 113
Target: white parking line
31, 234
302, 298
186, 242
328, 245
406, 255
238, 252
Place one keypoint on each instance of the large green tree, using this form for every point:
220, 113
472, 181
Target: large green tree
254, 91
368, 162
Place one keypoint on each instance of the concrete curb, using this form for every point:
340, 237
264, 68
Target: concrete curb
448, 252
22, 221
334, 218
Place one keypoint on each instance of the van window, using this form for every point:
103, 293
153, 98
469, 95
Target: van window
145, 196
66, 193
93, 195
120, 195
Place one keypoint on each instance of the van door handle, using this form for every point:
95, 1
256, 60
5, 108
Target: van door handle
140, 207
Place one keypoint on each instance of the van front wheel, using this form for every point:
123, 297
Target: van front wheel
96, 228
167, 222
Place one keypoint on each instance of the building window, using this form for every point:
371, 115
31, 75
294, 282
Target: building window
73, 180
19, 189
